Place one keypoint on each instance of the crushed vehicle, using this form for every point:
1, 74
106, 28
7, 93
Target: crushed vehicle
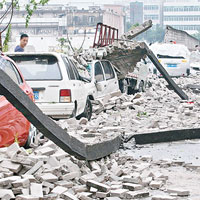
135, 81
175, 58
59, 90
104, 82
14, 127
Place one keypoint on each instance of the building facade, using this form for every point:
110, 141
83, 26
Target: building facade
182, 15
143, 10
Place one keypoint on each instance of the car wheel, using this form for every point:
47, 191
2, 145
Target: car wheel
141, 87
33, 132
87, 111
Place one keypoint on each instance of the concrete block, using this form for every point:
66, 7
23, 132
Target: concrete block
8, 180
163, 197
137, 194
26, 197
132, 187
36, 190
49, 177
47, 151
68, 196
14, 167
6, 194
118, 193
179, 191
83, 179
13, 149
21, 183
59, 190
102, 195
100, 186
70, 176
155, 185
131, 179
34, 168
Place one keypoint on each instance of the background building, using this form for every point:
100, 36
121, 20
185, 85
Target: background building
54, 21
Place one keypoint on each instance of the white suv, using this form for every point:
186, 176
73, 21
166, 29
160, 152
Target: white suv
58, 88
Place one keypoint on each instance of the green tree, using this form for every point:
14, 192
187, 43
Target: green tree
7, 39
63, 43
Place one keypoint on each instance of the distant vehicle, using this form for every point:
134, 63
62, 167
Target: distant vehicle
14, 127
104, 81
173, 57
195, 63
135, 81
58, 88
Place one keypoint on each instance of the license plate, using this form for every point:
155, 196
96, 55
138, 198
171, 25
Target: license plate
171, 65
36, 95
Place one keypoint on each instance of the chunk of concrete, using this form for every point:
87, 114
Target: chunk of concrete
100, 186
49, 177
178, 191
14, 167
36, 190
68, 196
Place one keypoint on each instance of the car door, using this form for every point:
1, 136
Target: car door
13, 125
112, 85
78, 90
100, 80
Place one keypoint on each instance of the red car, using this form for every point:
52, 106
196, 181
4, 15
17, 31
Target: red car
14, 127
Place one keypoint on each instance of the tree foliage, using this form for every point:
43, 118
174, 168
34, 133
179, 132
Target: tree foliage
7, 39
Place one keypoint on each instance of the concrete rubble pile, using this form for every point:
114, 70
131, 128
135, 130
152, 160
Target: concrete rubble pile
47, 172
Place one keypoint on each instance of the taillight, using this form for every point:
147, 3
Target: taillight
65, 96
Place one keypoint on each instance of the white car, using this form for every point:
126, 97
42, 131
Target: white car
58, 88
173, 57
104, 81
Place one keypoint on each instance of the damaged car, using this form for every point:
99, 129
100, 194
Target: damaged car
14, 127
59, 90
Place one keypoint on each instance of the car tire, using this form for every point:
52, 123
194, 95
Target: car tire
87, 111
33, 132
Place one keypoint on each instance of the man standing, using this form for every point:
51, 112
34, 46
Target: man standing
23, 43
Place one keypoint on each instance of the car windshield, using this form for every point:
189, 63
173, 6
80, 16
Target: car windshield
38, 67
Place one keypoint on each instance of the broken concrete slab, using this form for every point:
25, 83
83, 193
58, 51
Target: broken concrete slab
166, 136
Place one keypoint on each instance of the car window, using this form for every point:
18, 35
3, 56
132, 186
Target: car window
17, 73
38, 67
99, 72
8, 67
109, 73
75, 70
69, 69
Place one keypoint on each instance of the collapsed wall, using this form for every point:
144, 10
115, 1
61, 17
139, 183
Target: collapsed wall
180, 37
